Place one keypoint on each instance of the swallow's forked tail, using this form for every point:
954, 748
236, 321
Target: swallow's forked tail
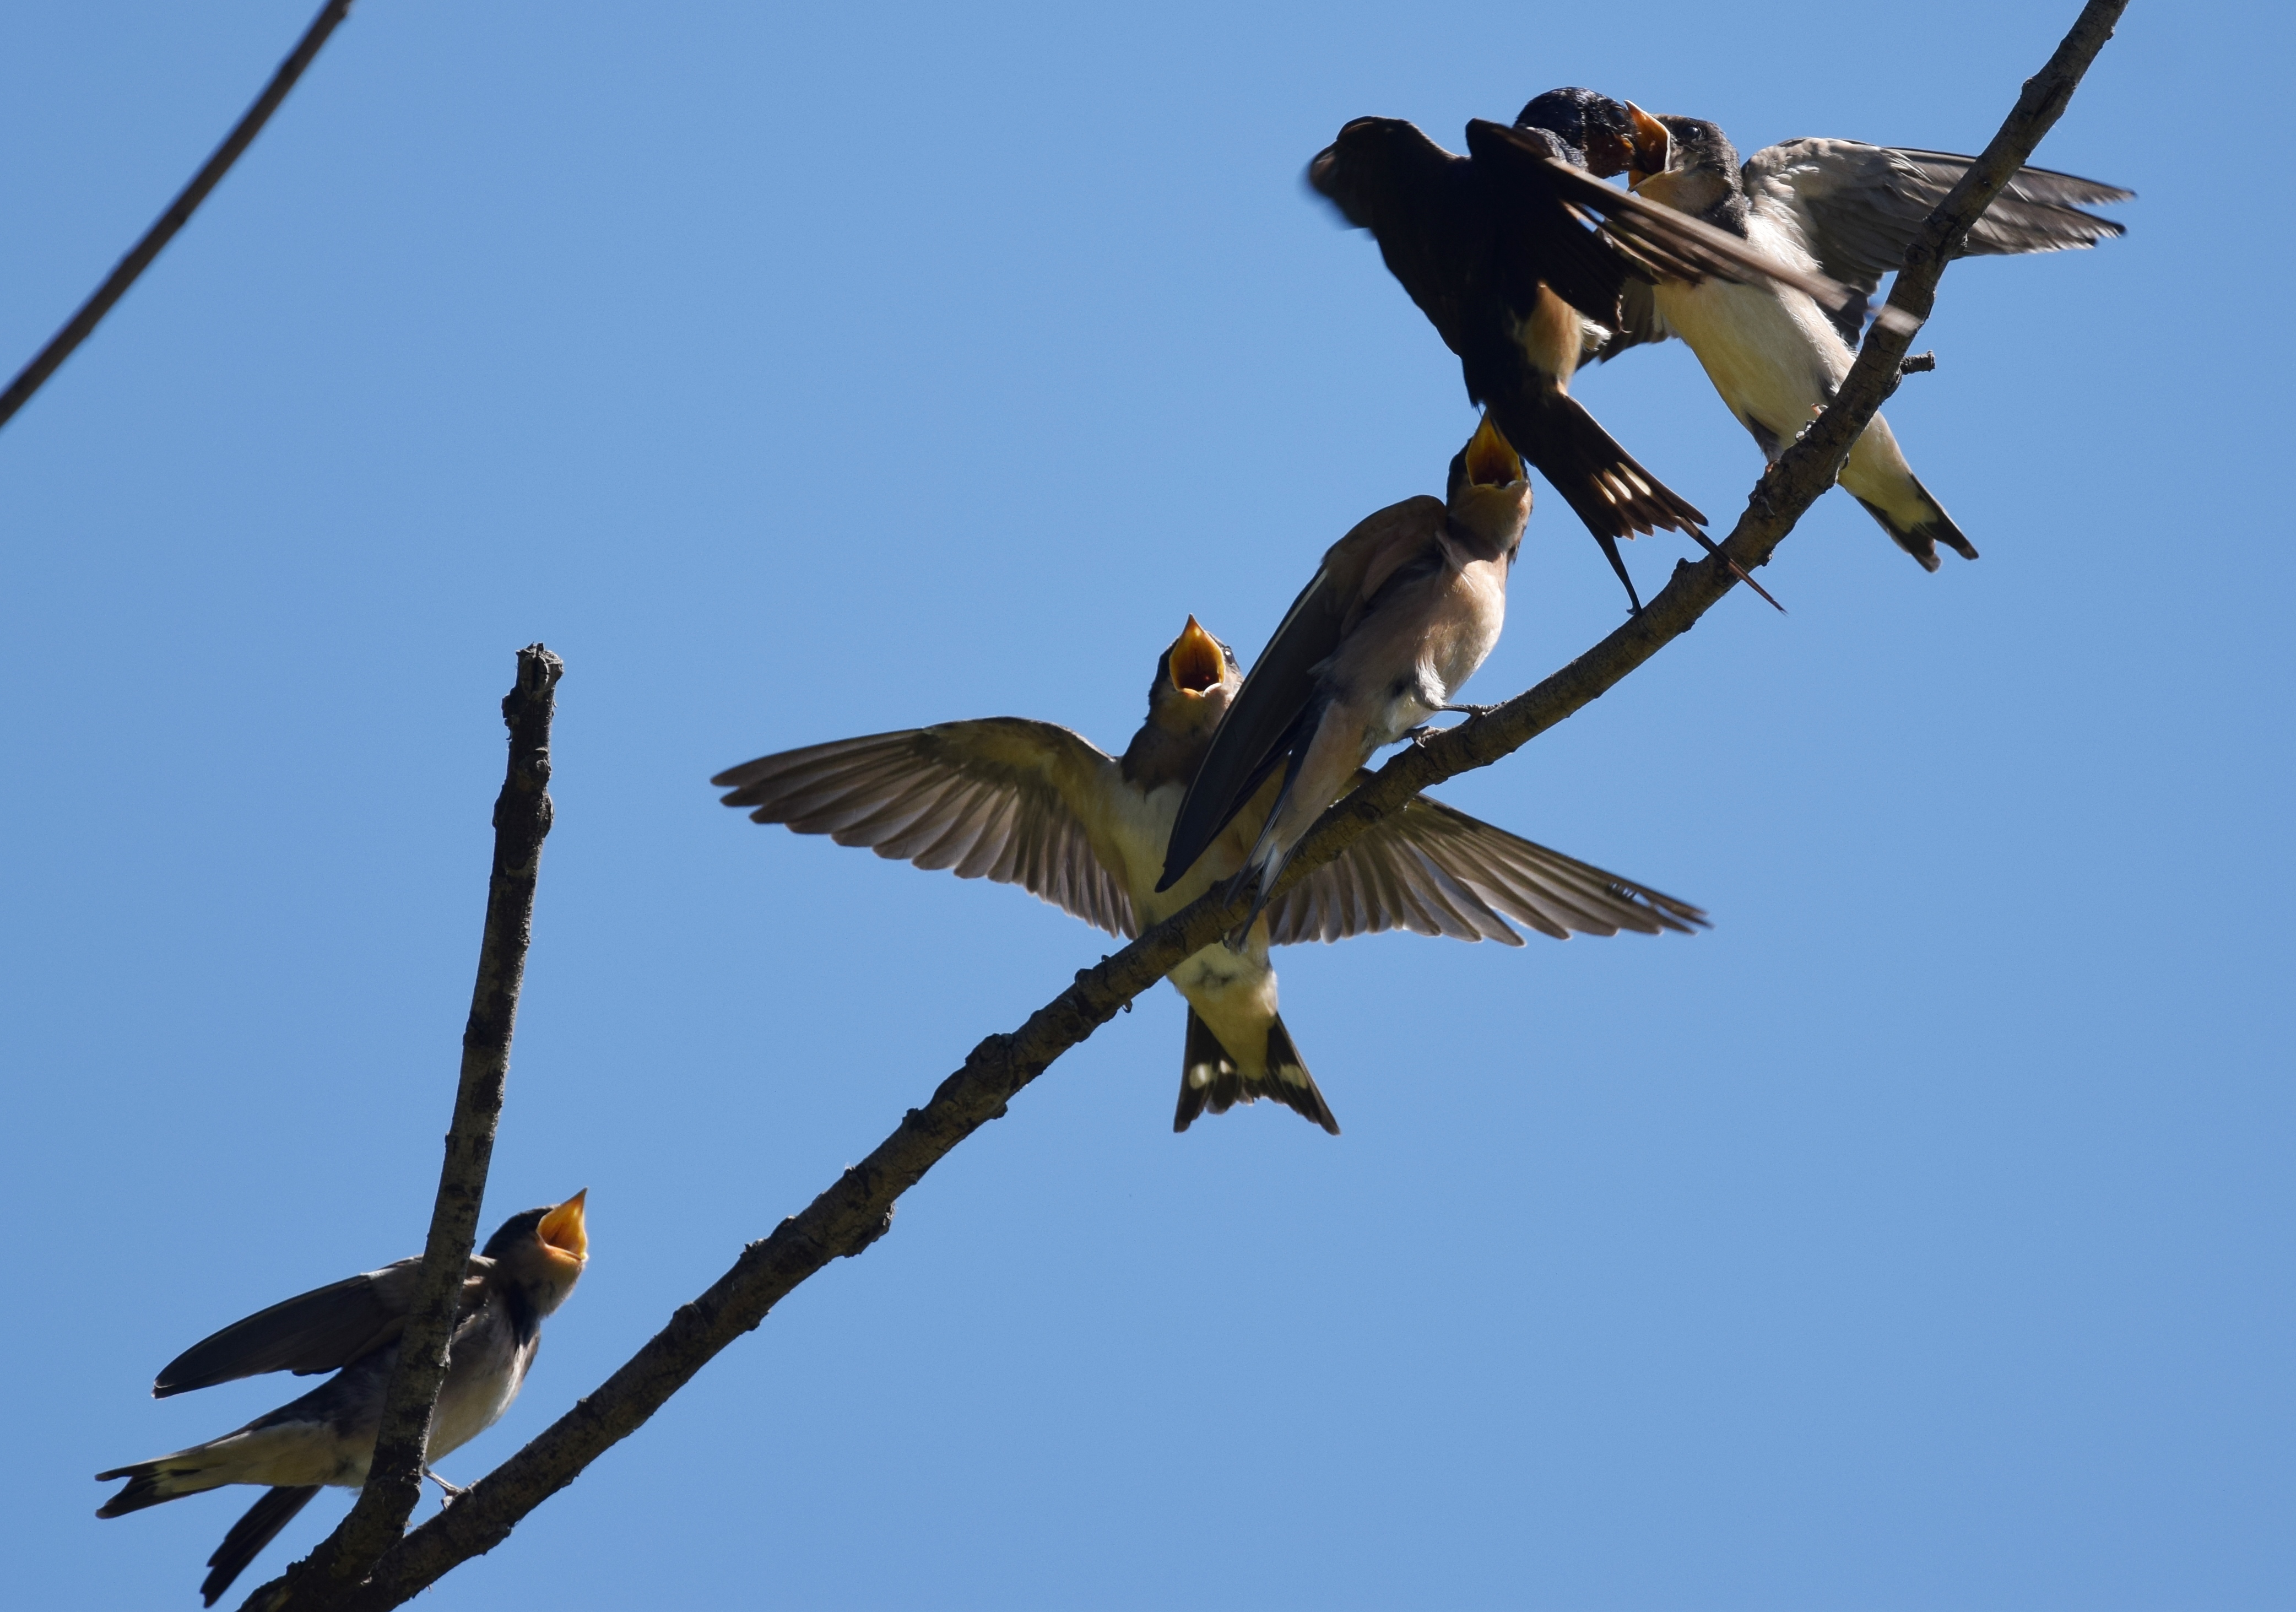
153, 1482
1210, 1079
249, 1536
1919, 524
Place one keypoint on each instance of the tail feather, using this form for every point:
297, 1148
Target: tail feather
152, 1483
1612, 493
1210, 1078
249, 1536
1920, 534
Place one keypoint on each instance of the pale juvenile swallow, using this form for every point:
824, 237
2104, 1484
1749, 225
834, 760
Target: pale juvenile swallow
1843, 209
351, 1328
1496, 250
1397, 616
1030, 803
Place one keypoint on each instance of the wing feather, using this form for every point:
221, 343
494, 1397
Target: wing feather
1860, 206
322, 1330
1433, 870
1006, 799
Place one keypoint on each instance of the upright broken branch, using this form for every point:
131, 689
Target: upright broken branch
521, 818
857, 1208
125, 273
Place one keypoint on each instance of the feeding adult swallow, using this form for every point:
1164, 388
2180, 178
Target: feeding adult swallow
1841, 208
1496, 249
351, 1328
1030, 803
1397, 616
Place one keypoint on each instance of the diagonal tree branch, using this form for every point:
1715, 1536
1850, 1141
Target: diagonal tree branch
59, 347
521, 818
857, 1208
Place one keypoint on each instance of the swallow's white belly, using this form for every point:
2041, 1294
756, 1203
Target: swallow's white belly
1769, 353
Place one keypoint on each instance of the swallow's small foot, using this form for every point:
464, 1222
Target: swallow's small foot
1419, 735
1468, 711
450, 1491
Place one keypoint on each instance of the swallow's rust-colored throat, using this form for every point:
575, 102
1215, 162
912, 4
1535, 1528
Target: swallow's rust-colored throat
1196, 661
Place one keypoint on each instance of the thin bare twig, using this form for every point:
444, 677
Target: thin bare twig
59, 347
521, 819
857, 1208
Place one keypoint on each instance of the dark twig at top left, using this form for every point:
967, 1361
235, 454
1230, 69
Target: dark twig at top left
125, 274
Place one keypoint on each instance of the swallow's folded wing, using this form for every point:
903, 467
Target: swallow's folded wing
1262, 722
322, 1330
1004, 798
1434, 870
1860, 206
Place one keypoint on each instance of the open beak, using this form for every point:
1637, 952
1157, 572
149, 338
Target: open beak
1653, 143
1196, 663
562, 1230
1491, 459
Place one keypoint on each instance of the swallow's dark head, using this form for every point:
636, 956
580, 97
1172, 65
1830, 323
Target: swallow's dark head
1595, 129
1685, 163
544, 1251
1490, 494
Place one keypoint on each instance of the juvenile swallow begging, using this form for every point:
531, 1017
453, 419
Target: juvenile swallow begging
1497, 250
1399, 615
351, 1328
1843, 209
1029, 803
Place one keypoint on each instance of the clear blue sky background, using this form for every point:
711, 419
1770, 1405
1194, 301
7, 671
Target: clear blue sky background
1918, 1237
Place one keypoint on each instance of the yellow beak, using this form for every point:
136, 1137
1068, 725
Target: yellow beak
1196, 663
564, 1230
1653, 147
1491, 459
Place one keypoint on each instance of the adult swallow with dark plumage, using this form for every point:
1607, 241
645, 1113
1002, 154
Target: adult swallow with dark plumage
351, 1328
1397, 616
1030, 803
1840, 208
1495, 249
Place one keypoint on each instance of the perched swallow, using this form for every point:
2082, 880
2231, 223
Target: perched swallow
1845, 210
1030, 803
351, 1328
1399, 615
1496, 249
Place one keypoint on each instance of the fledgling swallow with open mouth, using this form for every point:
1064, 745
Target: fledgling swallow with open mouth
1840, 208
351, 1328
1397, 616
1031, 803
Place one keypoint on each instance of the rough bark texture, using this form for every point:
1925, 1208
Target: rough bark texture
857, 1208
51, 358
521, 819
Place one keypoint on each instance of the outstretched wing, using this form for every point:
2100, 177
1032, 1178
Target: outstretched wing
1662, 242
1434, 870
322, 1330
1262, 721
1004, 798
1860, 206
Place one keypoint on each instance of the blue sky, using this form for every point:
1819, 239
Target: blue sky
1919, 1237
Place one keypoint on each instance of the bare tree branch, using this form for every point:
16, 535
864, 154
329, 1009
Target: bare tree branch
857, 1208
521, 819
59, 347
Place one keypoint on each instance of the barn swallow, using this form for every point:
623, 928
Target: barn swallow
1845, 210
1397, 616
1029, 803
351, 1328
1494, 250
